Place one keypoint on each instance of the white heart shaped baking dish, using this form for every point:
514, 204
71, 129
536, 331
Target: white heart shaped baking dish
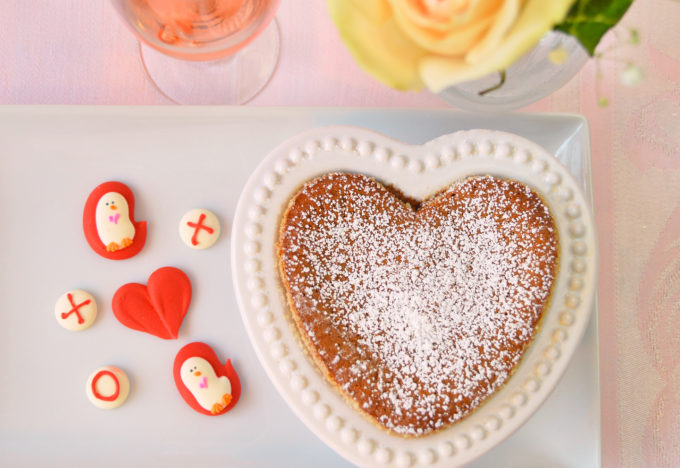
418, 172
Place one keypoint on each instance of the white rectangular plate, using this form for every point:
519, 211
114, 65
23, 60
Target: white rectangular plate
176, 159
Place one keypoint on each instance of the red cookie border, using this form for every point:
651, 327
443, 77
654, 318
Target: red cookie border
90, 224
199, 349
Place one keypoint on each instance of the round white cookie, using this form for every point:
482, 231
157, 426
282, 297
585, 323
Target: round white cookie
76, 310
108, 387
199, 228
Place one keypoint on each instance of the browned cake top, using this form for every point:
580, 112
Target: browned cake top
417, 316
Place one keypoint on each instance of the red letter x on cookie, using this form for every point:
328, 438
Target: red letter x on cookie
197, 227
74, 309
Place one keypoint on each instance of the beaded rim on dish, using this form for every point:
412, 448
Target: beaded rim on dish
417, 171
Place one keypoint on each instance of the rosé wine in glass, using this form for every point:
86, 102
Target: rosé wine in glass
230, 37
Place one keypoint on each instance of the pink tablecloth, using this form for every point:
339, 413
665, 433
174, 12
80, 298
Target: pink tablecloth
79, 52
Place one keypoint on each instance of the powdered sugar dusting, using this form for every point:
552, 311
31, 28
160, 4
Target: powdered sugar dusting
417, 316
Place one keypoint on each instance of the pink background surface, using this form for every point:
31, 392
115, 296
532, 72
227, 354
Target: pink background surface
79, 52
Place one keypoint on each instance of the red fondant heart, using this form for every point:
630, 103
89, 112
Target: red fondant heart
157, 308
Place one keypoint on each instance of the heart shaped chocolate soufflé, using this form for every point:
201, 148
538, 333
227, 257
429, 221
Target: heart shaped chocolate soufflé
417, 314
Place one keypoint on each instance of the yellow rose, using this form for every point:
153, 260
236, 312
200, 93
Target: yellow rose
437, 43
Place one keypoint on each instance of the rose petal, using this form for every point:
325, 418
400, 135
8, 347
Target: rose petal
502, 23
376, 10
455, 41
413, 9
377, 43
536, 19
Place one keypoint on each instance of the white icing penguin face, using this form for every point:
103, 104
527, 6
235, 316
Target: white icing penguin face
111, 204
211, 392
194, 371
112, 217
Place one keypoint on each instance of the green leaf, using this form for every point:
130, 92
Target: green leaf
589, 20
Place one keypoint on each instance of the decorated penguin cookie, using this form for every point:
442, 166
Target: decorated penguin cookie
199, 228
158, 307
207, 385
75, 310
108, 387
109, 222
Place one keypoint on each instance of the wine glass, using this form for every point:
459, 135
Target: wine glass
205, 51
